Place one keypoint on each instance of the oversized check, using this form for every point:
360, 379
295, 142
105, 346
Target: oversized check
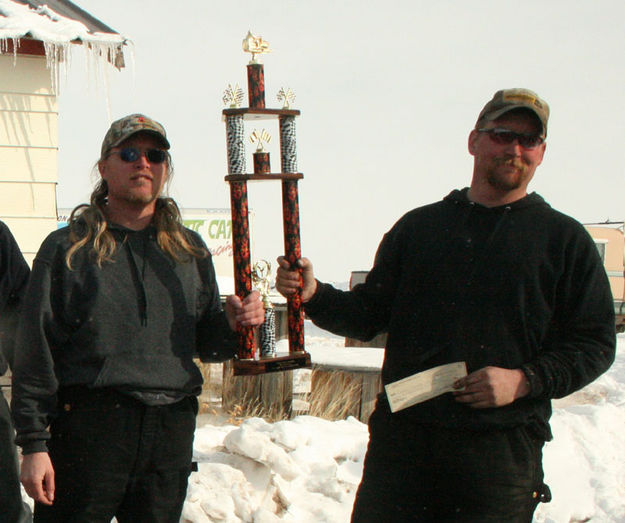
424, 385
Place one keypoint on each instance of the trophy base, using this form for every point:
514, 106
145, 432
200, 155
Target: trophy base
279, 363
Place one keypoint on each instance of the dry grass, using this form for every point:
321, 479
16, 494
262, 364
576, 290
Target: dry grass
266, 396
238, 413
332, 395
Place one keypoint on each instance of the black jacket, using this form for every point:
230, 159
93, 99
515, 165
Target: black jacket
517, 286
14, 273
133, 324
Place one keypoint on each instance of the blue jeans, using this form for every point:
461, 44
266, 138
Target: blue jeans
426, 473
115, 456
12, 508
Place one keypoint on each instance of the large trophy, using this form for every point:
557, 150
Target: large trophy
249, 359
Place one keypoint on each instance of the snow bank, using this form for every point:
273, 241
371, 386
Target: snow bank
306, 469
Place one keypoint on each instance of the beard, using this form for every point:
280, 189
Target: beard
141, 195
140, 198
507, 174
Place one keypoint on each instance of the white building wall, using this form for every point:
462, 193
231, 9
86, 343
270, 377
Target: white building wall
28, 150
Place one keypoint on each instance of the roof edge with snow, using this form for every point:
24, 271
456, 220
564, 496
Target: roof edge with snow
56, 24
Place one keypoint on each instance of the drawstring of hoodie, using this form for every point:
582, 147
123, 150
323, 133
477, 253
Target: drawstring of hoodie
139, 278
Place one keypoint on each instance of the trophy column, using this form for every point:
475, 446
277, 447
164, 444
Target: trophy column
256, 85
290, 215
240, 225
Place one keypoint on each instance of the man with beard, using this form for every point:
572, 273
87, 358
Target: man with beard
118, 304
491, 277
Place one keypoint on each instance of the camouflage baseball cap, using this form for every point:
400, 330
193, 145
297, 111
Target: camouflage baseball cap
509, 99
125, 127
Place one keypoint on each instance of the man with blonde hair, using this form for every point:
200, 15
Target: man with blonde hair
118, 304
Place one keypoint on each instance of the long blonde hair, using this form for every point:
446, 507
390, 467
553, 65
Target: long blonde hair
87, 224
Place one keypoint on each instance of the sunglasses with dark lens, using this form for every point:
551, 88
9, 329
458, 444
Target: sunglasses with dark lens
505, 136
132, 154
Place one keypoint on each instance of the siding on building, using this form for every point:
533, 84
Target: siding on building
28, 150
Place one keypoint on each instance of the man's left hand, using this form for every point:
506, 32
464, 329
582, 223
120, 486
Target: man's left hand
491, 387
248, 312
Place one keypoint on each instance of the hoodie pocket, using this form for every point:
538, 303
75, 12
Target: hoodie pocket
155, 372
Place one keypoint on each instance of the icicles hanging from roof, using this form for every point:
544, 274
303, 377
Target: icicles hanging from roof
98, 56
58, 33
4, 46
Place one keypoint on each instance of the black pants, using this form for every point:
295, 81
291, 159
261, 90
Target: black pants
115, 456
12, 508
423, 473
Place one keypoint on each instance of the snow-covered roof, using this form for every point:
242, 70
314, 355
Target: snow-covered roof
58, 24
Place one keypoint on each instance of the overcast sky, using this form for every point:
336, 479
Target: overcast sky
388, 91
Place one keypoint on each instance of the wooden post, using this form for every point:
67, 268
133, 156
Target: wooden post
264, 395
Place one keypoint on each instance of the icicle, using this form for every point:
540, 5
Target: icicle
56, 54
16, 44
4, 46
109, 111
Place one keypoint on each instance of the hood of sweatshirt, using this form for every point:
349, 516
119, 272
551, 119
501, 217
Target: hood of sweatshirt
460, 196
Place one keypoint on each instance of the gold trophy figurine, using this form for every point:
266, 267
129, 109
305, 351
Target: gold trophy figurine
255, 45
286, 96
260, 138
233, 96
261, 278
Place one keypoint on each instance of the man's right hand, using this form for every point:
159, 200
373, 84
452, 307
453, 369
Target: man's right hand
288, 279
37, 476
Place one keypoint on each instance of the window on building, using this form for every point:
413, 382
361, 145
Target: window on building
601, 248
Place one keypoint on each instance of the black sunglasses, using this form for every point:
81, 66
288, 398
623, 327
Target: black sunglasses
132, 154
505, 136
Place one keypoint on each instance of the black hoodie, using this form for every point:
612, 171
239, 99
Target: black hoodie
516, 286
133, 324
14, 273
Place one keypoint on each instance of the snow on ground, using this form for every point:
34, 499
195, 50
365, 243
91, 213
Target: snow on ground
308, 469
585, 462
